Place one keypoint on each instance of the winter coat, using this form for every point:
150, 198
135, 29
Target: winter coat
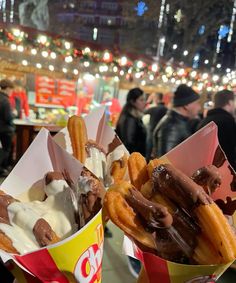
6, 115
169, 132
132, 133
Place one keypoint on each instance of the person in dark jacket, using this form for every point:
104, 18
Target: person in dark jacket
6, 124
174, 127
130, 127
156, 113
222, 115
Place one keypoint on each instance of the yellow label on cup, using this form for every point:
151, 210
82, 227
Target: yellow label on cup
80, 258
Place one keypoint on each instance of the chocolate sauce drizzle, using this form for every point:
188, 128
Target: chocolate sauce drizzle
233, 183
228, 207
219, 157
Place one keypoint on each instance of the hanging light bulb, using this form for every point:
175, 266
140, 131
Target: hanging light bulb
123, 61
38, 65
24, 62
76, 72
44, 54
53, 55
51, 68
154, 67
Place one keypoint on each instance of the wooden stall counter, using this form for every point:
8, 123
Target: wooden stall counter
26, 132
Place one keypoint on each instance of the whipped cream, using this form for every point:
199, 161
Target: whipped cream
57, 210
96, 162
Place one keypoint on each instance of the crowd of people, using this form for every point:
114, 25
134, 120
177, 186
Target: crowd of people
169, 126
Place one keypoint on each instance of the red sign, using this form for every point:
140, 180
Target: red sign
55, 92
45, 89
66, 91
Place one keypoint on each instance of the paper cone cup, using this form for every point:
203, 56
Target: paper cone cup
199, 150
78, 258
97, 130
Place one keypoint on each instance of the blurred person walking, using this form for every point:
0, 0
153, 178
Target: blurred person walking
130, 127
156, 112
223, 115
19, 101
174, 127
6, 125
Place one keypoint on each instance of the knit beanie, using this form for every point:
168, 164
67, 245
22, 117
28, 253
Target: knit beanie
184, 95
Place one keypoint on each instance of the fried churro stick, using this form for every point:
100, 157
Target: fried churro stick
6, 244
78, 136
182, 190
118, 168
126, 219
137, 166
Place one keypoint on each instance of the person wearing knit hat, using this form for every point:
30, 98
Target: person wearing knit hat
223, 115
6, 125
174, 127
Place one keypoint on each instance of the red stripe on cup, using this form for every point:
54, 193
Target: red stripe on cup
156, 268
42, 266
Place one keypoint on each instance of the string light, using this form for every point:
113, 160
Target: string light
185, 53
123, 61
44, 54
64, 70
215, 78
33, 51
87, 50
193, 74
16, 32
68, 59
53, 55
4, 14
51, 67
144, 71
151, 77
204, 76
162, 12
42, 39
67, 45
231, 28
140, 64
154, 67
12, 11
106, 56
13, 46
20, 48
175, 46
181, 72
86, 64
24, 62
76, 72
